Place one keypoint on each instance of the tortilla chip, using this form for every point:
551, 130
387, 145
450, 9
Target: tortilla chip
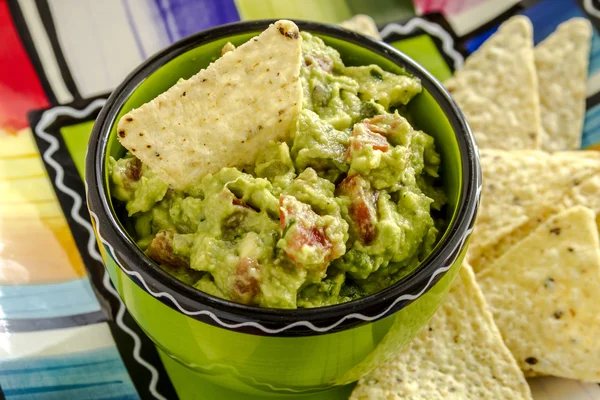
497, 89
562, 66
459, 354
225, 114
482, 256
586, 193
517, 186
544, 296
362, 24
227, 48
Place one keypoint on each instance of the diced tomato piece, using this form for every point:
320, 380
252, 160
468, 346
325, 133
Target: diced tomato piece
374, 128
245, 286
373, 139
299, 220
161, 250
237, 202
394, 127
362, 206
361, 213
364, 135
229, 196
134, 170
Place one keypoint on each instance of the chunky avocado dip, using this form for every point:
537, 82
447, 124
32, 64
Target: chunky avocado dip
339, 211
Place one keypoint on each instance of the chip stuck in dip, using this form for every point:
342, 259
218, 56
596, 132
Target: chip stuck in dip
279, 177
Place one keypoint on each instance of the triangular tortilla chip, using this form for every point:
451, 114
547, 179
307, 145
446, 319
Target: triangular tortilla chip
517, 185
583, 193
544, 296
362, 24
497, 89
562, 66
458, 355
225, 114
586, 193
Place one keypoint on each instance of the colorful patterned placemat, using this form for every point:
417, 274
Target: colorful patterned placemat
63, 330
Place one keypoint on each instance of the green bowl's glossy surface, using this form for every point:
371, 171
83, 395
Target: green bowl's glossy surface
271, 361
265, 365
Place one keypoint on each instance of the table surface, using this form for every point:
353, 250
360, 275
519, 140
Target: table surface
63, 332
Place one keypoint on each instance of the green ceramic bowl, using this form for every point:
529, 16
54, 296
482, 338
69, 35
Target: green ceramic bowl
281, 351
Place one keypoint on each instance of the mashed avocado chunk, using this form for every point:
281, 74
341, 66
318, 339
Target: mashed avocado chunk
341, 210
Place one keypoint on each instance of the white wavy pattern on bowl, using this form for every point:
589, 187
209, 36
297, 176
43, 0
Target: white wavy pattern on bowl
48, 117
304, 323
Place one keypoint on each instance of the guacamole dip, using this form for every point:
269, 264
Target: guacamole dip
341, 210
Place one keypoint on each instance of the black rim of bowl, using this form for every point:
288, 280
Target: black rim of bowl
277, 322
